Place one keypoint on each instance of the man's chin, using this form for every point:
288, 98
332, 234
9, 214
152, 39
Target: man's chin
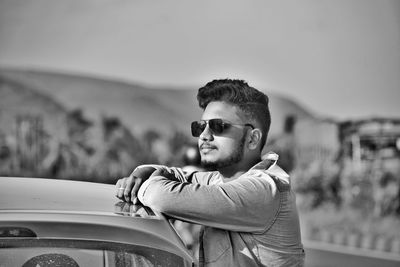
209, 165
214, 165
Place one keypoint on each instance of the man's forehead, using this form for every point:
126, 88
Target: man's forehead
222, 110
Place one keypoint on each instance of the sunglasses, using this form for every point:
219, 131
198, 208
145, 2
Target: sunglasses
217, 126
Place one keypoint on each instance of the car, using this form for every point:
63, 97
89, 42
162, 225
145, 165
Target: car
52, 222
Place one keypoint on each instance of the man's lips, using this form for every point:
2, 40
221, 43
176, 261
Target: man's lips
207, 147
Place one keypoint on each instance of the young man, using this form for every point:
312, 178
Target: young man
245, 204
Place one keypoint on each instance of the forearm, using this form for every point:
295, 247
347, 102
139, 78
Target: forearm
128, 187
172, 173
144, 171
222, 206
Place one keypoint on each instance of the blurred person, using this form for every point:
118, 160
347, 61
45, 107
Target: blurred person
244, 203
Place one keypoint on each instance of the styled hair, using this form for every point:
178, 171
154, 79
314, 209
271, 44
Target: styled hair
252, 102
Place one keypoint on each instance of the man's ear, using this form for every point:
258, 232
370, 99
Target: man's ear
254, 138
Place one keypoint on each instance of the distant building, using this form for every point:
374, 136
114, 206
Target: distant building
356, 162
371, 141
304, 141
358, 144
317, 139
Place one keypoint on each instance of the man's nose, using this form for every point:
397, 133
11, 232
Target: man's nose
206, 134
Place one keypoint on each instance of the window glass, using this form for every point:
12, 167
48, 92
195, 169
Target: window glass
73, 253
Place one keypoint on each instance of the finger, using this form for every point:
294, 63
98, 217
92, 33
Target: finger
136, 201
130, 182
121, 188
133, 209
135, 189
117, 186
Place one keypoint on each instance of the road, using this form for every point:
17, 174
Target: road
329, 255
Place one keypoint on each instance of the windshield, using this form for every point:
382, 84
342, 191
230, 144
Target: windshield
74, 253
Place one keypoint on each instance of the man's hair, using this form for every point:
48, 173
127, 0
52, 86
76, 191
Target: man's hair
251, 101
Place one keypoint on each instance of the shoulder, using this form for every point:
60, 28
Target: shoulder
269, 166
260, 179
274, 178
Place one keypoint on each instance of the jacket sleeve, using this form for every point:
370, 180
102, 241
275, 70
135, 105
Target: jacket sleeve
246, 204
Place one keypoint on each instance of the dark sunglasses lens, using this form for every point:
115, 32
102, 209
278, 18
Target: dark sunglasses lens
197, 128
217, 126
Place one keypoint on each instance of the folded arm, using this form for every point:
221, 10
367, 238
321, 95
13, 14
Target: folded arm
127, 188
247, 204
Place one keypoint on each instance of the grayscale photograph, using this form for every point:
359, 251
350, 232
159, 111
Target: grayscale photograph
215, 133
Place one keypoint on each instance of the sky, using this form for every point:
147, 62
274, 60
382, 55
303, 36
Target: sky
337, 58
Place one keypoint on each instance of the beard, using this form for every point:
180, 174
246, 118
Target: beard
234, 158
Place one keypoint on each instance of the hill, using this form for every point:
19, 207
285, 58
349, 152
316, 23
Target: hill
20, 103
138, 106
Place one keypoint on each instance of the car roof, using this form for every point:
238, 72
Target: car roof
54, 208
62, 195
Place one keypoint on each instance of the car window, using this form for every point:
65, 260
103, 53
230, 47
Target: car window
78, 253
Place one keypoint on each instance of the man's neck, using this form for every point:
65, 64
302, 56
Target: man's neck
234, 171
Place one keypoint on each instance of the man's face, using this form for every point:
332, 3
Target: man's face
225, 149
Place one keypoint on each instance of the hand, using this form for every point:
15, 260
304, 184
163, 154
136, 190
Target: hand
128, 187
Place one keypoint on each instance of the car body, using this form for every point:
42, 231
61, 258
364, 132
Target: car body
75, 223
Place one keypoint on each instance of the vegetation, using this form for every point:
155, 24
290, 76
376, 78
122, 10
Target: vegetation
97, 152
331, 196
335, 199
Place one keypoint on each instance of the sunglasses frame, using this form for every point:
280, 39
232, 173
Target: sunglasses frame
198, 127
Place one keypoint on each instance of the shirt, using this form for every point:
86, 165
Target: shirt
248, 221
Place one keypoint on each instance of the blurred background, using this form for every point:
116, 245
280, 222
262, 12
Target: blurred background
89, 89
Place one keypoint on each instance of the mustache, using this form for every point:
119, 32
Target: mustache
207, 145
